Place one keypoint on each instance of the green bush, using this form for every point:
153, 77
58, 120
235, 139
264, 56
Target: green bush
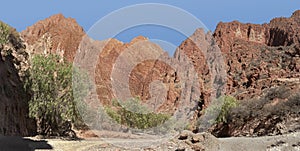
50, 85
133, 114
218, 112
229, 103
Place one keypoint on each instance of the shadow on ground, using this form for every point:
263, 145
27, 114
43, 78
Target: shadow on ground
11, 143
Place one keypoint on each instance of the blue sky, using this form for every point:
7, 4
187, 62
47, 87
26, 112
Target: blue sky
20, 14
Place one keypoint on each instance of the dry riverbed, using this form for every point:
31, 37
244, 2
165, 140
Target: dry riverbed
287, 142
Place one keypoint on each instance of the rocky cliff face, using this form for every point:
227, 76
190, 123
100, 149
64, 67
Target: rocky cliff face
63, 36
52, 36
260, 58
13, 98
55, 34
279, 32
204, 54
142, 76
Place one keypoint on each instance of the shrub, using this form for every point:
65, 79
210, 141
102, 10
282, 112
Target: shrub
218, 111
50, 85
229, 103
133, 114
81, 88
263, 115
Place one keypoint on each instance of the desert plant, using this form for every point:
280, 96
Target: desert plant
229, 103
218, 111
52, 102
81, 87
261, 116
133, 114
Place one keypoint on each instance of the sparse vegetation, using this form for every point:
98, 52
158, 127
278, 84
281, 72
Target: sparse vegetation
81, 87
134, 115
9, 34
267, 105
262, 116
4, 33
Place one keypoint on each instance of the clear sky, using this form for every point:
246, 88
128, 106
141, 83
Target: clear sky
23, 13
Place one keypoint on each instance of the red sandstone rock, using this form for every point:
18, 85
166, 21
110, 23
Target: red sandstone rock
140, 77
63, 35
257, 55
261, 58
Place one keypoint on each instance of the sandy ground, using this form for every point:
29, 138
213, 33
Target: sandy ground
288, 142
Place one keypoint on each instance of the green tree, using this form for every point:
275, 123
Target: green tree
52, 103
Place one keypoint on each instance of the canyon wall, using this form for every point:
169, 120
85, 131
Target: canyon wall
263, 67
254, 59
14, 110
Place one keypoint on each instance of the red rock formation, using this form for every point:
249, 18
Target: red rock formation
52, 36
63, 36
279, 32
204, 54
257, 55
261, 58
285, 31
139, 78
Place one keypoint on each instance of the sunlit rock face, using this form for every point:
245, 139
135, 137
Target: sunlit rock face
258, 56
55, 34
263, 66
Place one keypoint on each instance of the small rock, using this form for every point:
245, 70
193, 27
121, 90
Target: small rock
197, 138
105, 145
184, 135
40, 137
198, 147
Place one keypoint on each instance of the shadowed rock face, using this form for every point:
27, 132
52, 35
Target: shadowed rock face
204, 54
261, 58
14, 120
285, 31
